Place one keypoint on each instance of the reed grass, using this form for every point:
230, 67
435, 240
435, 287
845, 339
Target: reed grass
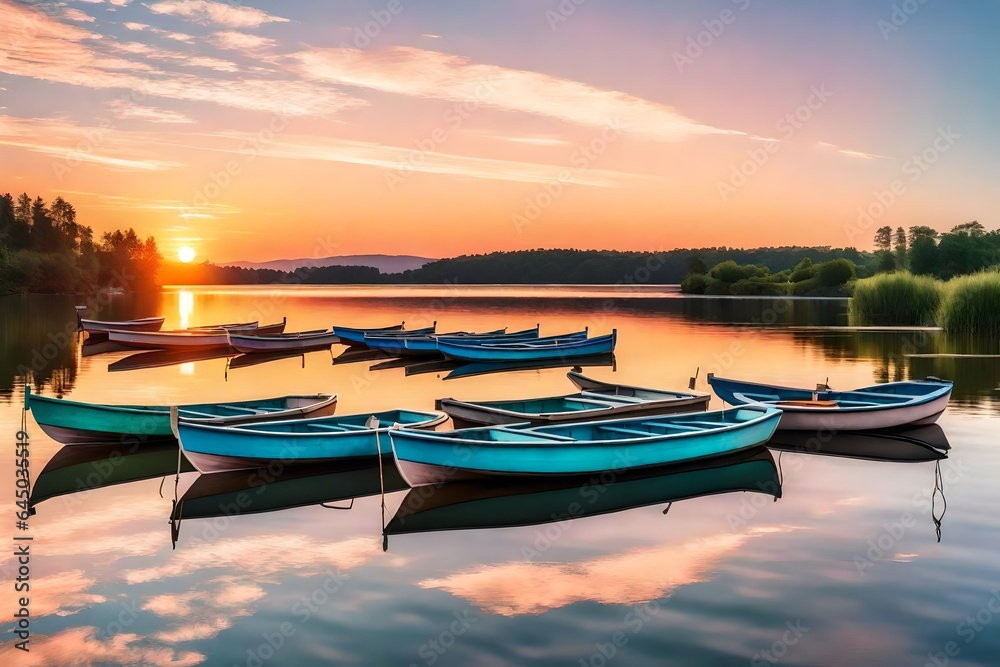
971, 304
899, 299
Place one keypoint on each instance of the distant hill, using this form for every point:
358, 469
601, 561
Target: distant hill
384, 263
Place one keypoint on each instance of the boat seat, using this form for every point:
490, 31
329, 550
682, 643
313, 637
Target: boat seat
194, 413
613, 397
328, 427
676, 427
704, 424
512, 435
590, 401
249, 411
626, 431
354, 427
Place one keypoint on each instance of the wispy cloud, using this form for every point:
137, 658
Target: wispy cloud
131, 25
127, 110
404, 160
206, 12
832, 148
240, 41
431, 74
76, 15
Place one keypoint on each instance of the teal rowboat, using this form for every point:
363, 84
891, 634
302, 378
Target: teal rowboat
533, 501
74, 422
578, 449
302, 441
536, 350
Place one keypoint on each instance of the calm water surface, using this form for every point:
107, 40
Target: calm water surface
857, 562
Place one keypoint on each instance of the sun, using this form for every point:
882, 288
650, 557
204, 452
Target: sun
186, 254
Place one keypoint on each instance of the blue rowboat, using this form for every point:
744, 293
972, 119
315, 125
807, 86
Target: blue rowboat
532, 501
303, 441
578, 449
74, 422
530, 350
425, 344
598, 401
880, 406
352, 336
531, 336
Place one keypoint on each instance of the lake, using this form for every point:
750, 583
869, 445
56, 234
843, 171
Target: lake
775, 557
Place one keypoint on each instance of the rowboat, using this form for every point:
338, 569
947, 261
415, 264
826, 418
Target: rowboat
302, 341
529, 350
74, 422
527, 336
352, 336
879, 406
598, 400
912, 445
578, 449
162, 340
83, 468
533, 501
98, 329
426, 345
303, 441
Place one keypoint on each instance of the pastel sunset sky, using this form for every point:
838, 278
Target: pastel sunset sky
258, 130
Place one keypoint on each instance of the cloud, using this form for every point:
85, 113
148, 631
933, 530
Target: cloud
205, 12
77, 15
35, 45
518, 588
831, 148
404, 161
205, 612
131, 25
127, 110
84, 646
73, 144
430, 74
63, 594
239, 41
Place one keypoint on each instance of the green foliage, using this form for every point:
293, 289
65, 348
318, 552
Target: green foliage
835, 272
896, 299
923, 255
883, 238
972, 304
758, 287
44, 249
695, 284
696, 265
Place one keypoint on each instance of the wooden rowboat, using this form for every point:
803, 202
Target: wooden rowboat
303, 441
352, 336
98, 329
164, 340
426, 458
880, 406
529, 350
74, 422
533, 501
598, 400
303, 341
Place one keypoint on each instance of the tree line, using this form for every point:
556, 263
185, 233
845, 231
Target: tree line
44, 249
967, 248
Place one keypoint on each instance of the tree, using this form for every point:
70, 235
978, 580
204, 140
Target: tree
883, 238
923, 256
696, 265
921, 232
899, 247
835, 272
974, 229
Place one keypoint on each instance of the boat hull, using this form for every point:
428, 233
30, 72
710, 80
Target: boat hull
77, 423
98, 330
469, 415
528, 351
305, 343
164, 340
817, 419
424, 459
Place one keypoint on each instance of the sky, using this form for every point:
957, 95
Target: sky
256, 131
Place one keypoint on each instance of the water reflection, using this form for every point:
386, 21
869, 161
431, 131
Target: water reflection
185, 307
913, 445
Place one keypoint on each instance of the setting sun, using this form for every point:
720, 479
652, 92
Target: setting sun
186, 254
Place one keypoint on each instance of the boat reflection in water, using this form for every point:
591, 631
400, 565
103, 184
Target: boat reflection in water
918, 444
531, 501
164, 358
80, 468
241, 492
485, 368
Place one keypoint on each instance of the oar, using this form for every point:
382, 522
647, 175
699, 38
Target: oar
694, 379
